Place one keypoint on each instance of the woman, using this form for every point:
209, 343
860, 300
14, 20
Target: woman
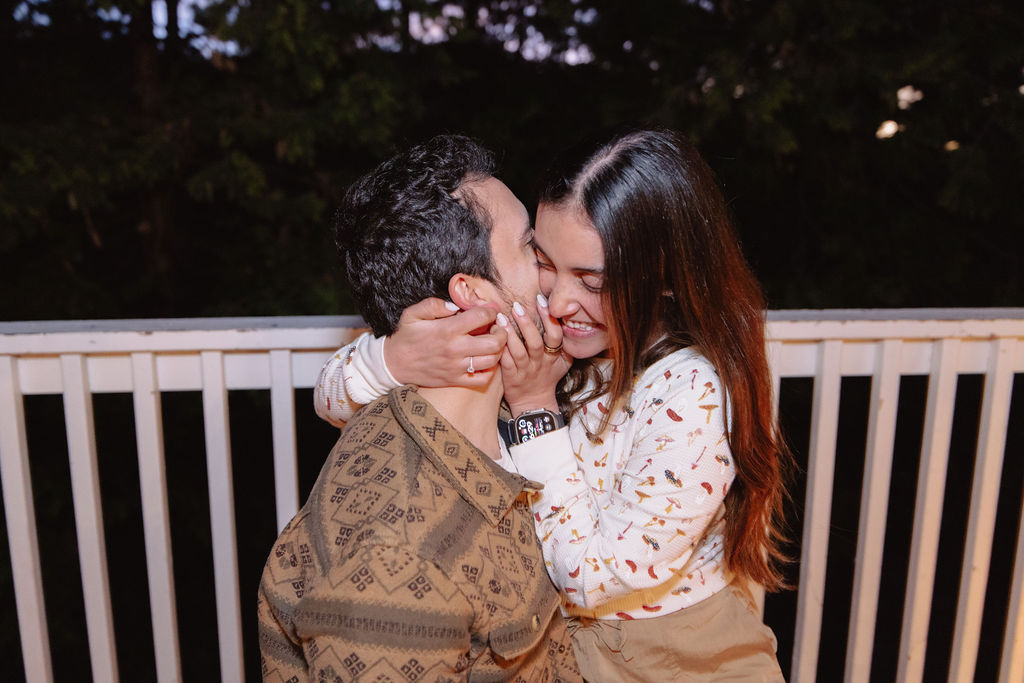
662, 499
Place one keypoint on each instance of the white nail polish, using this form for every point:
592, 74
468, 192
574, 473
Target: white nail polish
542, 300
451, 307
518, 309
502, 320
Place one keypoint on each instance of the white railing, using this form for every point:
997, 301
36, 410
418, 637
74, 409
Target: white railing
215, 356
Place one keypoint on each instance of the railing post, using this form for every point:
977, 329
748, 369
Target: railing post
988, 465
817, 511
1011, 665
874, 504
222, 515
149, 436
931, 486
85, 489
19, 509
282, 417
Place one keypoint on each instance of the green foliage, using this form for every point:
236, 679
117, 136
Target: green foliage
144, 177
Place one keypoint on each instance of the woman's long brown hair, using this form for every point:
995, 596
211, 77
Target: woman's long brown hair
675, 276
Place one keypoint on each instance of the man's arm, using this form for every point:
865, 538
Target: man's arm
383, 611
282, 585
281, 654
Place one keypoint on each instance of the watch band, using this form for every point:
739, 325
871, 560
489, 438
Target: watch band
529, 425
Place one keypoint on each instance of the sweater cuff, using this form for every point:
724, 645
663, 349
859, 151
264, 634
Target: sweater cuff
388, 377
545, 457
368, 365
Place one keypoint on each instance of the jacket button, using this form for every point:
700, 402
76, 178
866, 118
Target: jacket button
536, 622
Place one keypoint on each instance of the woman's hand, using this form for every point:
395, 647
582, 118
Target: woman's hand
435, 345
530, 372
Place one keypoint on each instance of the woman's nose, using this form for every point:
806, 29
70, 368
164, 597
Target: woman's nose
561, 303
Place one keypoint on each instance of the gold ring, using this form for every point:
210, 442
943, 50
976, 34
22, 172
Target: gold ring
552, 349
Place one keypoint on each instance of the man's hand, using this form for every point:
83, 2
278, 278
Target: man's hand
434, 342
529, 372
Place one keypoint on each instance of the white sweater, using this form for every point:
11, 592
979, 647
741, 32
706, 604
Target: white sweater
631, 526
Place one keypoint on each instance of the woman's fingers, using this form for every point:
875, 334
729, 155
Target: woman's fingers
407, 353
472, 319
508, 364
433, 347
486, 362
514, 345
528, 328
530, 373
552, 328
428, 309
477, 345
485, 351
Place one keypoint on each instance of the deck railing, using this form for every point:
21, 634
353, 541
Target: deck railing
216, 356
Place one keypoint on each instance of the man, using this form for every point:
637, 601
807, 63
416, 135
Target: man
414, 557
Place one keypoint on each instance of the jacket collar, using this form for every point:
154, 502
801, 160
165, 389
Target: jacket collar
477, 478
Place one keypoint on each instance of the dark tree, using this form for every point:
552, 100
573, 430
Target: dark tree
190, 169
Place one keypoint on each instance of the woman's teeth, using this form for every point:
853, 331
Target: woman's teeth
577, 326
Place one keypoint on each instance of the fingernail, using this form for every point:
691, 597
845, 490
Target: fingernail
542, 300
518, 309
451, 307
502, 320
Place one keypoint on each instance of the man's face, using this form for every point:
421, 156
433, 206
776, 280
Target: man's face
511, 246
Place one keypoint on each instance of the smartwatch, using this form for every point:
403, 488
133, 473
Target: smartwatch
531, 424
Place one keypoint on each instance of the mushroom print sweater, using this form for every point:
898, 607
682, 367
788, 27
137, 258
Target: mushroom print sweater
631, 524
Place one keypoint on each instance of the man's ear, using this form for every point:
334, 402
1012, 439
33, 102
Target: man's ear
469, 291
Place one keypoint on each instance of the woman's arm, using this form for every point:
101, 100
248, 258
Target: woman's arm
352, 377
431, 347
612, 525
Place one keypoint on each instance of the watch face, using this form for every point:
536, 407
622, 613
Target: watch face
531, 426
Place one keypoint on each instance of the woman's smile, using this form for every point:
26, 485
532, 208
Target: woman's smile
579, 330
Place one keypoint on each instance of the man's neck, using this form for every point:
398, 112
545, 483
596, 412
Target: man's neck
474, 412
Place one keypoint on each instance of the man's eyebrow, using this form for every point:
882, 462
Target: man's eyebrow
589, 271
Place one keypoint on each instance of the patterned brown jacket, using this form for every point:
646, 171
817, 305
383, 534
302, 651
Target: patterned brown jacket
413, 559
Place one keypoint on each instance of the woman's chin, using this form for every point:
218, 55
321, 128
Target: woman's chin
585, 348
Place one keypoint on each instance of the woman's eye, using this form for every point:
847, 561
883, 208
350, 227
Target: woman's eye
591, 284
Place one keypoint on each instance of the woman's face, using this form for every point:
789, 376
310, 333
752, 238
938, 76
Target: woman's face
570, 259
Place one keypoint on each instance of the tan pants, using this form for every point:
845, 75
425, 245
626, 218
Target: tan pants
721, 638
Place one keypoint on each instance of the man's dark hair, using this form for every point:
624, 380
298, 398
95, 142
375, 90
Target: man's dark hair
403, 230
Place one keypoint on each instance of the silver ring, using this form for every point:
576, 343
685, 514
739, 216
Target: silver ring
470, 369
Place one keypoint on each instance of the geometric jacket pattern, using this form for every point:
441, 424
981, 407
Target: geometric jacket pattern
413, 559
